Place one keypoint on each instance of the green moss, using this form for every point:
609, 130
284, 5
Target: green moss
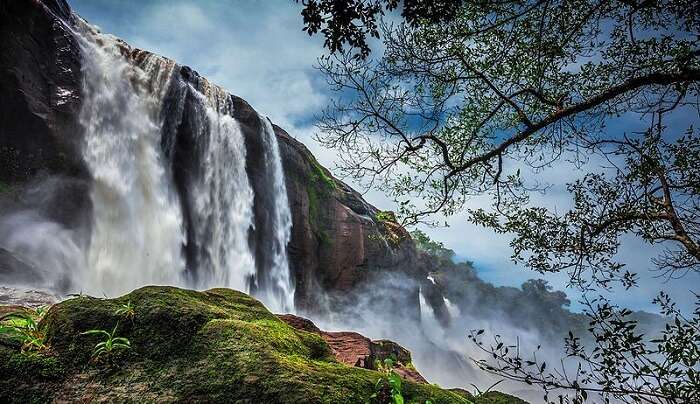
5, 187
385, 216
319, 190
214, 346
491, 397
313, 202
27, 377
320, 175
495, 397
29, 364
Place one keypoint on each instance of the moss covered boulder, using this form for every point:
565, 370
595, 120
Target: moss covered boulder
213, 346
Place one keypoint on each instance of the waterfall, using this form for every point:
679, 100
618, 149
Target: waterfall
160, 217
137, 225
279, 292
222, 211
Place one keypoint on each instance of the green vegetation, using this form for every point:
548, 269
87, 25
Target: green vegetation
389, 230
388, 387
320, 175
385, 216
126, 310
217, 346
319, 188
22, 327
434, 248
111, 344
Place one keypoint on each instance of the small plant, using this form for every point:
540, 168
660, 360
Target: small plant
388, 387
110, 345
23, 327
126, 310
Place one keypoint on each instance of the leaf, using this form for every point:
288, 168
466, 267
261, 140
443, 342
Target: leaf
395, 381
121, 340
91, 332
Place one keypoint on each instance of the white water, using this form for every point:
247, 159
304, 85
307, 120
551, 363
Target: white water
280, 297
137, 233
46, 246
223, 212
138, 230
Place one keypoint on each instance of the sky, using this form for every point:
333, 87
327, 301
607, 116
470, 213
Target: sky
257, 50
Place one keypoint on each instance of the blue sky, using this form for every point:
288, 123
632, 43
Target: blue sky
256, 50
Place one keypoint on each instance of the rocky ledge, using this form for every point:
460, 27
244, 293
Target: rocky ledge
188, 346
357, 350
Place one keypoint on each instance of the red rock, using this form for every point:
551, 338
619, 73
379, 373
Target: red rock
355, 349
350, 347
300, 323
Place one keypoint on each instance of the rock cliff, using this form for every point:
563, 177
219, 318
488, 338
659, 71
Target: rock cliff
338, 242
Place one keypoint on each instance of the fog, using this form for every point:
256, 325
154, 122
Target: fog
41, 245
433, 318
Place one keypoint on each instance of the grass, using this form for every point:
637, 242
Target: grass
321, 176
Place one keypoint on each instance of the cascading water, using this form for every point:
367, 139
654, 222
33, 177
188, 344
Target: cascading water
222, 196
149, 227
137, 225
280, 291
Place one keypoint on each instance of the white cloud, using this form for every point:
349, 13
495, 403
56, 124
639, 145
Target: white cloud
256, 50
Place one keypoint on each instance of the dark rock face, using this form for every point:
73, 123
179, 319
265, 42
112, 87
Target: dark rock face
40, 91
338, 244
40, 101
40, 138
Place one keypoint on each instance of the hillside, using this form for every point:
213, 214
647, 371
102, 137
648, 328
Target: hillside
214, 346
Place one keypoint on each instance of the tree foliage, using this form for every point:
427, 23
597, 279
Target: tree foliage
623, 364
463, 108
498, 91
350, 22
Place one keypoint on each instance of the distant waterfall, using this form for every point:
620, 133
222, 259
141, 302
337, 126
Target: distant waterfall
150, 226
137, 226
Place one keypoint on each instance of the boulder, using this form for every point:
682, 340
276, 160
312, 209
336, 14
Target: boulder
355, 349
186, 346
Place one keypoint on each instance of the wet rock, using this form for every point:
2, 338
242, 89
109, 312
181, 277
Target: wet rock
21, 297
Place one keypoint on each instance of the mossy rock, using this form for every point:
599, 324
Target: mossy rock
213, 346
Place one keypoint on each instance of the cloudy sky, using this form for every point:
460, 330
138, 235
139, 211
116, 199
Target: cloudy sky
256, 50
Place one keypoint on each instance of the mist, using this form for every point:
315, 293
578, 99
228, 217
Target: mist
433, 317
41, 237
